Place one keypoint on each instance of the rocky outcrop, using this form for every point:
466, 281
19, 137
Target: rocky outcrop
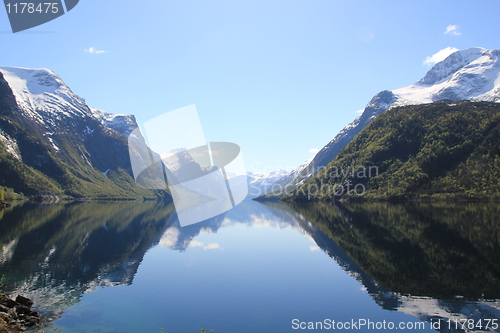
16, 315
46, 197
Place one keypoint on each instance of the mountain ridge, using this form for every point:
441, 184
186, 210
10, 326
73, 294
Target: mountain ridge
438, 151
52, 141
470, 74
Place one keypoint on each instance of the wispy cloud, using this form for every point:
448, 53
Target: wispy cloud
439, 56
313, 150
452, 29
313, 248
212, 246
93, 50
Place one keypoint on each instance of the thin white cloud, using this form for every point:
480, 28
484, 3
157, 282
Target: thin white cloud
439, 56
93, 50
360, 111
196, 244
313, 150
452, 29
212, 246
313, 248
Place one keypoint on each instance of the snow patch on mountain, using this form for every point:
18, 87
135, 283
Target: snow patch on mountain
122, 123
10, 145
296, 172
43, 96
470, 74
258, 182
51, 140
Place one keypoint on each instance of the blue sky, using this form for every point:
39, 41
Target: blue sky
279, 78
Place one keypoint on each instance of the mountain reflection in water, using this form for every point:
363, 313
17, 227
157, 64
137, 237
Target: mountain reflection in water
55, 253
432, 261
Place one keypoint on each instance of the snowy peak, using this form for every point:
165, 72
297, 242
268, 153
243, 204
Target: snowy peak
42, 95
122, 123
259, 182
58, 144
264, 179
382, 100
34, 81
472, 74
452, 64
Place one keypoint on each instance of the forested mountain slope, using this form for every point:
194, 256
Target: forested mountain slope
442, 150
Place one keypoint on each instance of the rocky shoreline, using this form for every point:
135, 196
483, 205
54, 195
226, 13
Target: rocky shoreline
16, 315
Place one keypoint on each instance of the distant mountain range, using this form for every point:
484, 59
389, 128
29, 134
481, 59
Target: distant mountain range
471, 74
259, 182
53, 143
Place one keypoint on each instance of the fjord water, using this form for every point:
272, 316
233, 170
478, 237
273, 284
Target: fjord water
130, 267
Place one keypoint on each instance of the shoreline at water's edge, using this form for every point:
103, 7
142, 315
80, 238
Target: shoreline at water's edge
442, 198
8, 203
4, 204
386, 200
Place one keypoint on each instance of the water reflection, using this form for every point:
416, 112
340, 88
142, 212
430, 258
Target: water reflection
432, 261
249, 213
439, 250
55, 253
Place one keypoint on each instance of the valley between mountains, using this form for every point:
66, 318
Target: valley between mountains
436, 139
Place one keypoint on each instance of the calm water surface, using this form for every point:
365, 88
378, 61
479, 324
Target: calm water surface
130, 267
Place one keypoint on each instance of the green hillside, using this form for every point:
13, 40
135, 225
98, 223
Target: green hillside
93, 164
442, 150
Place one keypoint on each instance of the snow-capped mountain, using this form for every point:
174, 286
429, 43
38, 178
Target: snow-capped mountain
259, 182
122, 123
471, 74
45, 98
55, 142
280, 185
